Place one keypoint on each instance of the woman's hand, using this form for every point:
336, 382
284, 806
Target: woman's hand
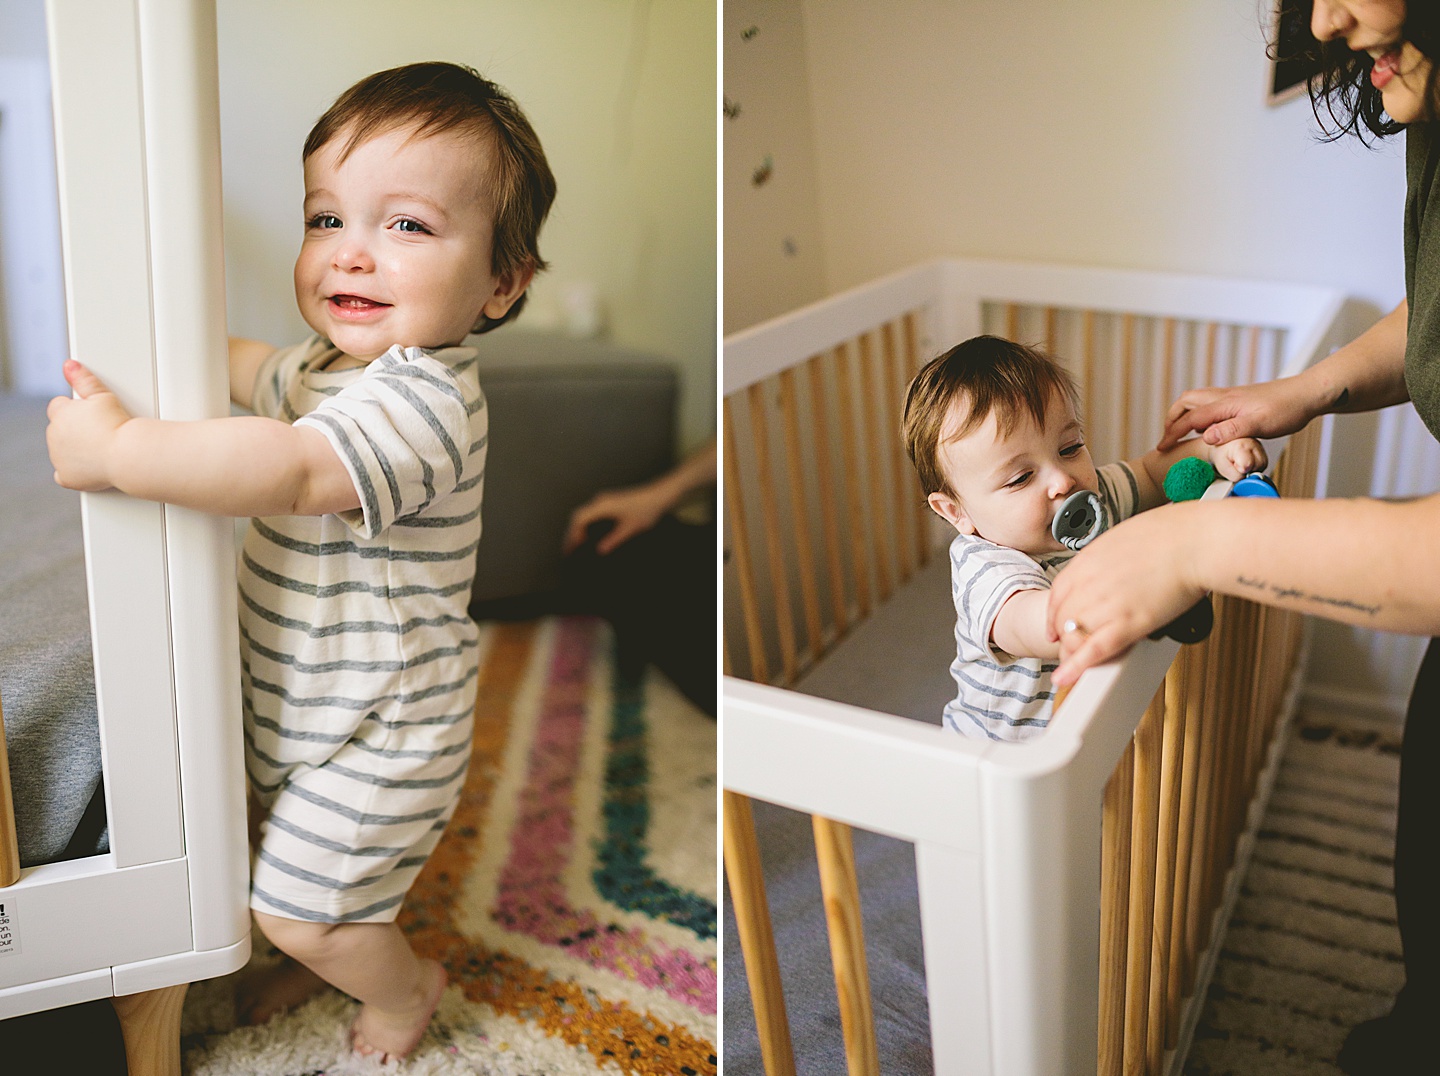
1122, 586
82, 431
634, 510
1269, 409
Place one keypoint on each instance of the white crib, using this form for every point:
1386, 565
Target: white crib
1071, 890
138, 149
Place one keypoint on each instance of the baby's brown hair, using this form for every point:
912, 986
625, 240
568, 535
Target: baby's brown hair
993, 375
438, 97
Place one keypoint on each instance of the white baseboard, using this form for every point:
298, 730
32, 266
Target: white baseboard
1357, 705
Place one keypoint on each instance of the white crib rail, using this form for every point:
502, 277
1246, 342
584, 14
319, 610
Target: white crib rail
1007, 846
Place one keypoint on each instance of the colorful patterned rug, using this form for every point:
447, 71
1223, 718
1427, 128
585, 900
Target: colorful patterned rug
572, 899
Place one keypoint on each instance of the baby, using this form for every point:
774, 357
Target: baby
992, 428
425, 190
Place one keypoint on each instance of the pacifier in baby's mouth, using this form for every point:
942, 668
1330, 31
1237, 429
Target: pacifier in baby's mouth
1080, 519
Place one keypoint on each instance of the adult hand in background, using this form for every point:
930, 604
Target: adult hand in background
636, 509
632, 511
1218, 415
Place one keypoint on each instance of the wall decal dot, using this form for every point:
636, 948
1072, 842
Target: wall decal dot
762, 174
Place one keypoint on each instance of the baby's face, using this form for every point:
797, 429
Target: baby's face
397, 243
1008, 488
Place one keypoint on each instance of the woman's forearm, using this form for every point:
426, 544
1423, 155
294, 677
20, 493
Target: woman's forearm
1366, 374
1358, 561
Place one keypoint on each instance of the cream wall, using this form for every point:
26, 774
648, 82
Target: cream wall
773, 257
1106, 132
1110, 132
621, 94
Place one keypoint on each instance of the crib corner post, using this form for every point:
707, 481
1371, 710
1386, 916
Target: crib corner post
1042, 901
952, 917
150, 1026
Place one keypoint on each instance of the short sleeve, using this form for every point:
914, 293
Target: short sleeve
403, 432
983, 576
1119, 491
268, 397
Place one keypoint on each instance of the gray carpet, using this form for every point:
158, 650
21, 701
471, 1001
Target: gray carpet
47, 680
1311, 950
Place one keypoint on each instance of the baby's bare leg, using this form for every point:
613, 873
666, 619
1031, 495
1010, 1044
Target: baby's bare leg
373, 963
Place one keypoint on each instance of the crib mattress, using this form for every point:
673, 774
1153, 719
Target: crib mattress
896, 662
47, 682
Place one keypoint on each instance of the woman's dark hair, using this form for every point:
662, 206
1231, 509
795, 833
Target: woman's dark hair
1340, 94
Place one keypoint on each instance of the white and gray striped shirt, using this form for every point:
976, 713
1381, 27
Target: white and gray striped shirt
1000, 697
359, 657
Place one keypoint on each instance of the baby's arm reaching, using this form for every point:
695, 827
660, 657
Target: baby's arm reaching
1233, 460
1022, 629
246, 357
246, 466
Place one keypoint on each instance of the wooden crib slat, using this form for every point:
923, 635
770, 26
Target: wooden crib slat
1167, 360
804, 548
740, 547
835, 855
1196, 919
1087, 362
874, 466
770, 524
1212, 329
1172, 736
1012, 322
826, 475
1252, 354
890, 367
757, 939
9, 842
1143, 844
922, 513
850, 463
1116, 810
1127, 377
1181, 959
1050, 330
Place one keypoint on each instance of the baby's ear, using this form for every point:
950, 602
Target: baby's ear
508, 288
949, 509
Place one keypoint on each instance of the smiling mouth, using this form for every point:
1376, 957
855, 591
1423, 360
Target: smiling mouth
1386, 67
351, 305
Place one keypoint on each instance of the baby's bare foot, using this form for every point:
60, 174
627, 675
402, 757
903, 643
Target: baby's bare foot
265, 992
393, 1034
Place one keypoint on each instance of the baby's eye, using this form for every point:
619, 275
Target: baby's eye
405, 224
1070, 451
324, 220
1019, 480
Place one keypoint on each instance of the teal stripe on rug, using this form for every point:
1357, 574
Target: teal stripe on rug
623, 875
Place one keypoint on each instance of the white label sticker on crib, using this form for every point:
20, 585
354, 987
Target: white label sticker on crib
9, 934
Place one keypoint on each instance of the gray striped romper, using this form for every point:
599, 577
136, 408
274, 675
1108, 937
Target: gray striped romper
359, 659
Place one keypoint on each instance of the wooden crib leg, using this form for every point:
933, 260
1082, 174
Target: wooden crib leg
150, 1025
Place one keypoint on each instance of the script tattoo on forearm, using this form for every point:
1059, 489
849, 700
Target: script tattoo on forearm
1282, 593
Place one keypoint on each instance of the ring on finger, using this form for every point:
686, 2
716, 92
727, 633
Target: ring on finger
1073, 626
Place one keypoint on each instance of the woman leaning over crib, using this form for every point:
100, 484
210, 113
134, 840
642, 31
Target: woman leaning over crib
1359, 561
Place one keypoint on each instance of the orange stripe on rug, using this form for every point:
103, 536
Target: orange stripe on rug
611, 1031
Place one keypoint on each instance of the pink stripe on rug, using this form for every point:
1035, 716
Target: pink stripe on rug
531, 898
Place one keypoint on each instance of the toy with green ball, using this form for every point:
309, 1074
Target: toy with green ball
1188, 479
